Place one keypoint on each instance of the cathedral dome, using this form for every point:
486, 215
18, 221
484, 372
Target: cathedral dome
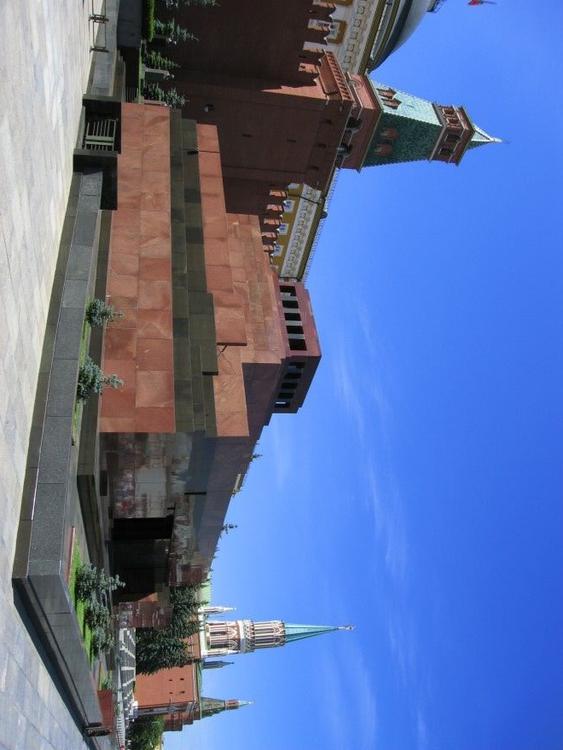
399, 20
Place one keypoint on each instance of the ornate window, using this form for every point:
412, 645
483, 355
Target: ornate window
337, 31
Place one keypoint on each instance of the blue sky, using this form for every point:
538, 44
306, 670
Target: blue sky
418, 493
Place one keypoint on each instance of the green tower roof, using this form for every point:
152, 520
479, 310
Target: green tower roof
418, 125
418, 128
480, 138
299, 632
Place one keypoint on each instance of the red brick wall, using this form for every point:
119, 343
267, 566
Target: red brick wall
253, 38
177, 685
270, 134
139, 347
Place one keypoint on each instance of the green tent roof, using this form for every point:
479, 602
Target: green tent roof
299, 632
480, 138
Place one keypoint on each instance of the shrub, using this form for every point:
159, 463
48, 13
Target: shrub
86, 582
170, 97
98, 313
173, 32
91, 380
159, 649
91, 582
97, 615
153, 59
102, 640
145, 732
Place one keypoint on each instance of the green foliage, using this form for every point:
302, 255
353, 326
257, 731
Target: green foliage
159, 649
162, 649
97, 615
154, 59
173, 32
92, 587
148, 20
102, 641
91, 582
106, 683
91, 380
98, 313
145, 732
170, 97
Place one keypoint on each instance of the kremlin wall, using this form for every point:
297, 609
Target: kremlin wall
209, 223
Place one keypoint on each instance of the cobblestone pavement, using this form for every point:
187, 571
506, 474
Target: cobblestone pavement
44, 65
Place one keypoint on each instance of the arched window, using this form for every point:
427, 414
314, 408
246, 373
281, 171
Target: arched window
390, 134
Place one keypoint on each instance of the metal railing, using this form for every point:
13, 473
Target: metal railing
100, 134
99, 20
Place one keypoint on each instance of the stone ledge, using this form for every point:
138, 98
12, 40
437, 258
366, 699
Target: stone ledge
50, 501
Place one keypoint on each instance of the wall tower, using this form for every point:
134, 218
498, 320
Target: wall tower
224, 637
412, 129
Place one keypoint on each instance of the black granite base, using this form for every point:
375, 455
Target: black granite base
50, 506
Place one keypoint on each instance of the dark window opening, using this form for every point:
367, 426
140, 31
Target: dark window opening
291, 140
288, 290
285, 395
247, 135
291, 386
295, 376
297, 345
209, 108
294, 329
292, 316
290, 303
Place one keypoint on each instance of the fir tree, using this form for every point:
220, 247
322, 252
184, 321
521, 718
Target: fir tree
154, 59
170, 97
172, 32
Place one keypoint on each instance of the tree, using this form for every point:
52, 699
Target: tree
145, 732
162, 649
98, 313
170, 97
91, 380
154, 59
172, 32
159, 649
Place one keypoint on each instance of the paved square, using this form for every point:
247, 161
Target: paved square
44, 65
